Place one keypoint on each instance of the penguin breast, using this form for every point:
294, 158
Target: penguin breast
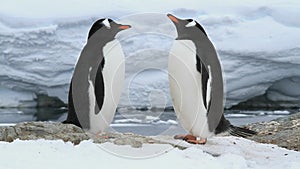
113, 76
186, 88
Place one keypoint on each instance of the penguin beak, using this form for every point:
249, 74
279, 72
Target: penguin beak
173, 18
124, 27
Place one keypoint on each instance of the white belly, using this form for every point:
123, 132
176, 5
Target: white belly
113, 76
186, 89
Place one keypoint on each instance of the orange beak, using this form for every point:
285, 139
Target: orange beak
123, 27
173, 18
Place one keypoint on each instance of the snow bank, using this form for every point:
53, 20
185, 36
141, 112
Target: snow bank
257, 41
219, 152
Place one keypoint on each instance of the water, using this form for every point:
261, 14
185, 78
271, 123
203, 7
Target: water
16, 115
154, 123
136, 121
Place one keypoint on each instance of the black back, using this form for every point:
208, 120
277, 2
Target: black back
72, 117
99, 88
198, 26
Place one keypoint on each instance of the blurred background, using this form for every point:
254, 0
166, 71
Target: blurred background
257, 42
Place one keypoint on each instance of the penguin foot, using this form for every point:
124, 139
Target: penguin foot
190, 139
180, 136
185, 137
201, 141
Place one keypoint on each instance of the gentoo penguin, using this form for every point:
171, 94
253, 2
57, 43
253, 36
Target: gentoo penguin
97, 81
196, 84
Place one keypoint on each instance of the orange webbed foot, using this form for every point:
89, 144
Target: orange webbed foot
201, 141
190, 139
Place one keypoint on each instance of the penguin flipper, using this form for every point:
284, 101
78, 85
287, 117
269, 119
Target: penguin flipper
99, 87
198, 64
205, 83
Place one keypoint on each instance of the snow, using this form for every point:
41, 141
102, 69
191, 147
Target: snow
219, 152
257, 41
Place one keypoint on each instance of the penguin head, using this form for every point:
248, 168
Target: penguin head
186, 28
108, 27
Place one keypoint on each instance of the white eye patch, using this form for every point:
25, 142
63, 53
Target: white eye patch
190, 24
106, 23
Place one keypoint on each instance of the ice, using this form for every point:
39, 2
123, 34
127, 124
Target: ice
257, 42
128, 121
144, 120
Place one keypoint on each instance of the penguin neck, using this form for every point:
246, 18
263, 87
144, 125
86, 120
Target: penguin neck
96, 44
204, 54
97, 57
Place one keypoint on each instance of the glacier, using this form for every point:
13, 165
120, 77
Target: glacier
257, 42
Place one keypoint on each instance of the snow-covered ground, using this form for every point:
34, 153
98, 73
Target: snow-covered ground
219, 152
257, 41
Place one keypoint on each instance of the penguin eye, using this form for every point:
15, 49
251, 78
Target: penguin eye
191, 23
106, 23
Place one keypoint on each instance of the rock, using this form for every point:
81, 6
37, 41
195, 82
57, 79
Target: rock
284, 132
134, 140
68, 132
9, 134
43, 130
128, 141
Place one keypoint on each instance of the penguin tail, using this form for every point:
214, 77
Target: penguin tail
66, 122
240, 132
76, 123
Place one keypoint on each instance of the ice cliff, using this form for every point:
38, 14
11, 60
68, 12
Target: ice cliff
258, 44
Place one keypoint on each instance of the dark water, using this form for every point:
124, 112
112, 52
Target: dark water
136, 121
16, 115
